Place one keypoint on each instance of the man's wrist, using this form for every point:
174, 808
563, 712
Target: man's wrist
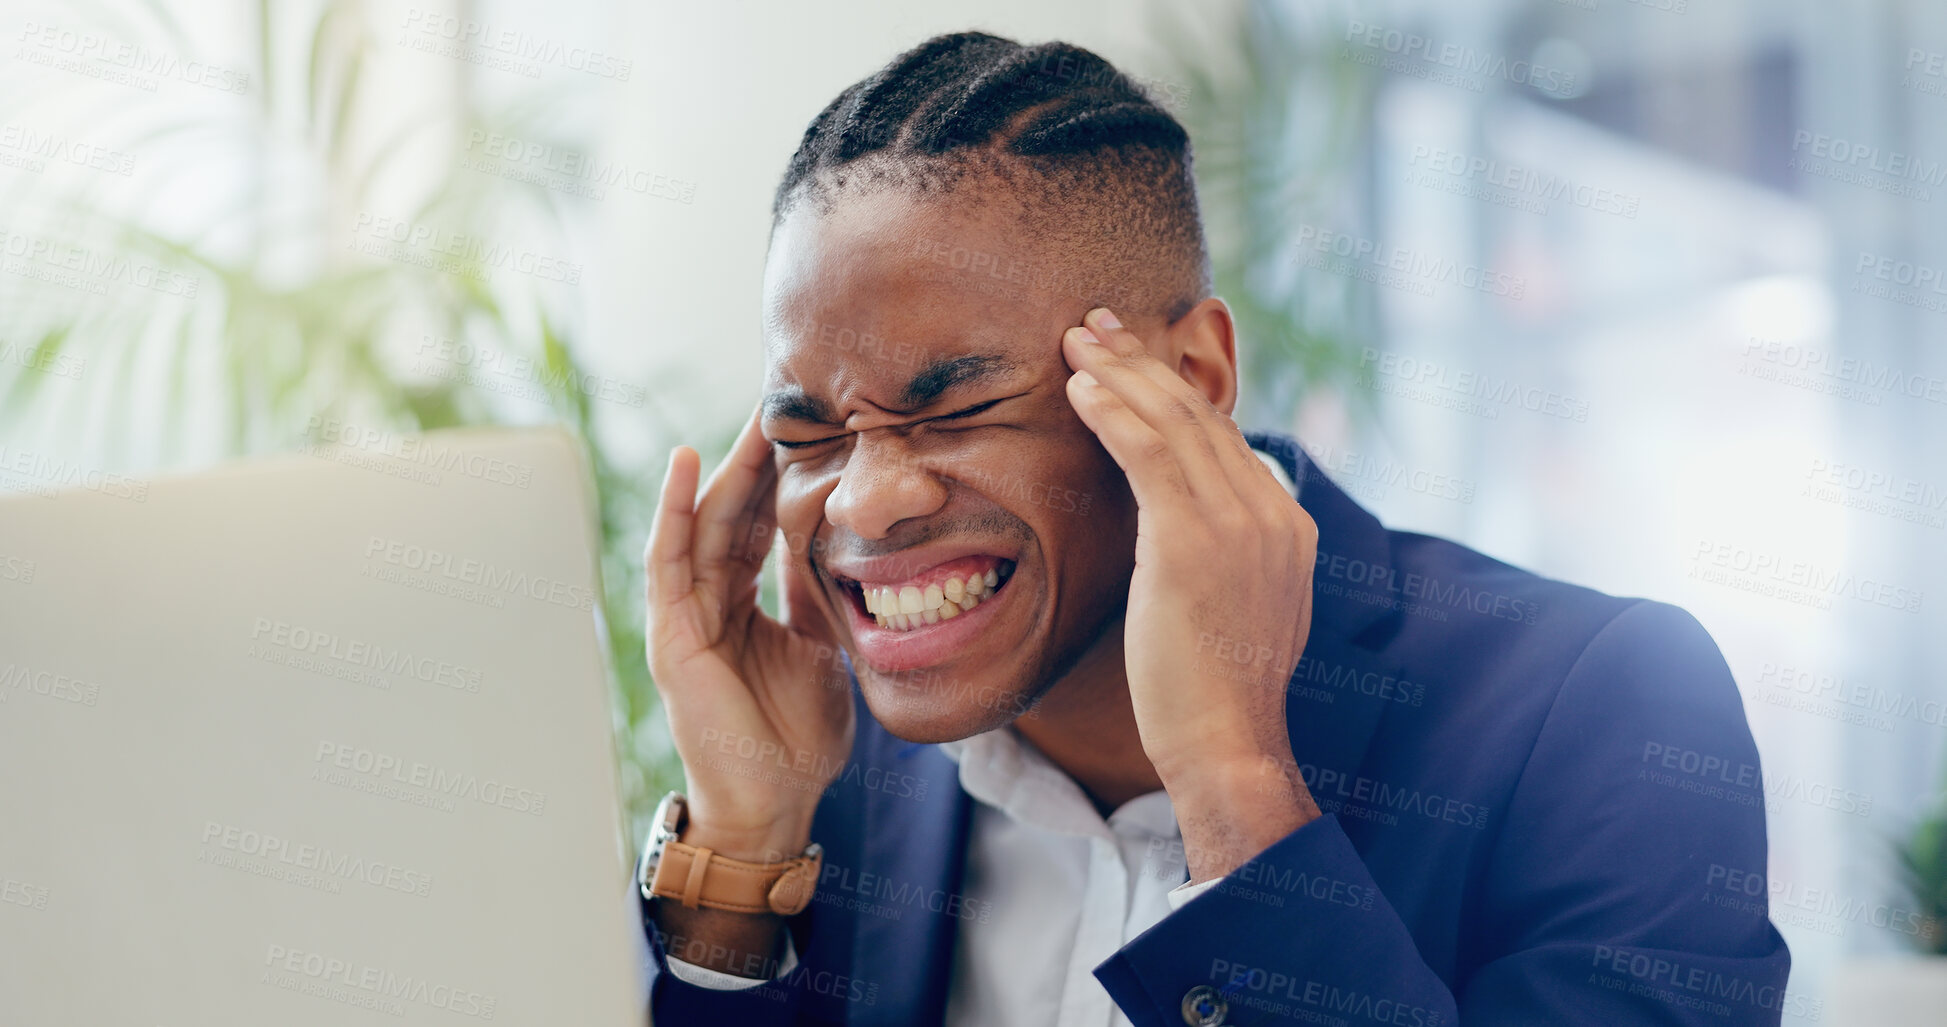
758, 846
1231, 810
772, 841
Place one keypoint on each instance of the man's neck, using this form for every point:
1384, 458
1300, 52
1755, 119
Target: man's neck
1086, 725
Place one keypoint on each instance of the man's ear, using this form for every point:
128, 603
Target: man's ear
1203, 345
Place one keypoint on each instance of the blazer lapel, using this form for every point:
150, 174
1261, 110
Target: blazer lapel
918, 847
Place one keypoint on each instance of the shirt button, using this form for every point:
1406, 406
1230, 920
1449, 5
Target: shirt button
1203, 1007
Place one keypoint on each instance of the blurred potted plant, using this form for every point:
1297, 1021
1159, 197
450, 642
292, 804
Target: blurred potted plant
288, 325
1278, 124
1905, 991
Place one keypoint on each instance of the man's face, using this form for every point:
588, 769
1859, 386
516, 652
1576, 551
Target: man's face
916, 401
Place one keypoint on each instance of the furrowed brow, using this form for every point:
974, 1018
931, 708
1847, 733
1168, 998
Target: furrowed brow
943, 376
793, 404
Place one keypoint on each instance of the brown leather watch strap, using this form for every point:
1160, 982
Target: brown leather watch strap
699, 877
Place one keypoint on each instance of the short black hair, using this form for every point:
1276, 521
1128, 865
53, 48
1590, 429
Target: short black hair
1086, 151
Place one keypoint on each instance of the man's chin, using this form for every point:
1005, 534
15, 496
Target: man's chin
945, 712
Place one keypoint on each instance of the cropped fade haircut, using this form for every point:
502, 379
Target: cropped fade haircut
1089, 162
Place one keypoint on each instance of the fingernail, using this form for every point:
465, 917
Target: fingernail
1107, 319
1085, 379
1082, 333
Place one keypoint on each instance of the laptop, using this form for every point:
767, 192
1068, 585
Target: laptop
321, 739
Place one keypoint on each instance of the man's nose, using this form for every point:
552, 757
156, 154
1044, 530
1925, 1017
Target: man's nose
883, 482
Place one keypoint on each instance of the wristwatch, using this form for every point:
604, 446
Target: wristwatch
696, 876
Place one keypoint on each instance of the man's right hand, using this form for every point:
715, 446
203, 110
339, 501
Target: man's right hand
757, 708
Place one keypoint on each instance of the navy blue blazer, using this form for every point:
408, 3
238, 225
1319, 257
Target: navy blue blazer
1542, 806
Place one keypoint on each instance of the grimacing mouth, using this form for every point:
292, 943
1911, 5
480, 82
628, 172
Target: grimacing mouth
941, 592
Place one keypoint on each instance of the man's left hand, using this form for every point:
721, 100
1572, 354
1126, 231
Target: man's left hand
1220, 602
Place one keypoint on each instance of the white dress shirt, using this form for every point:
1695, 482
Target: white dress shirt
1059, 888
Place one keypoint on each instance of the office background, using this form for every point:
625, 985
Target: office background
1649, 295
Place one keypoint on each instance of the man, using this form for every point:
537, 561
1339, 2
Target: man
1099, 711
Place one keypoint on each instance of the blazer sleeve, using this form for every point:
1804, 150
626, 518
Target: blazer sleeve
673, 1000
1594, 906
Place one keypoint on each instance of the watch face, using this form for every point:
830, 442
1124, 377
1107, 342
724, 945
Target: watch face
661, 833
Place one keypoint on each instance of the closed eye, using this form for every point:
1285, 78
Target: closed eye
969, 412
802, 445
977, 408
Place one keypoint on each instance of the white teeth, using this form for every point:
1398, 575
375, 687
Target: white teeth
907, 607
